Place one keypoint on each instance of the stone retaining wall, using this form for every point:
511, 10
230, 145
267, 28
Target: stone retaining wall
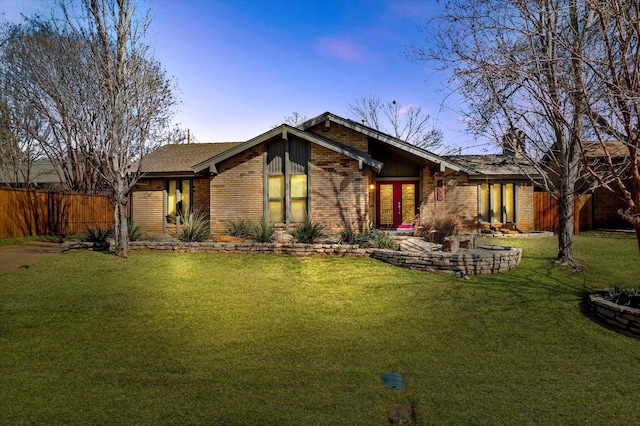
485, 259
617, 316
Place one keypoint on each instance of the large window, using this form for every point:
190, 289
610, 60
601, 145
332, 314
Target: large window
287, 181
497, 203
179, 194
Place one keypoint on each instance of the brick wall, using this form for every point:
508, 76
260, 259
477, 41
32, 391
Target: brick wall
525, 214
343, 135
460, 199
237, 191
339, 191
605, 210
147, 205
201, 195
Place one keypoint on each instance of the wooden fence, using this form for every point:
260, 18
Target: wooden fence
546, 213
26, 212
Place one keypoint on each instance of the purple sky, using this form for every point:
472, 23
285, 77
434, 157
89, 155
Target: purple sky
242, 65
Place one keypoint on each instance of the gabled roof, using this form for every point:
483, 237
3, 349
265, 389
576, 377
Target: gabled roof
180, 158
328, 117
495, 165
284, 131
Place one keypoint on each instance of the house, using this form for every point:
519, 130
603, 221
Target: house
40, 174
604, 204
331, 170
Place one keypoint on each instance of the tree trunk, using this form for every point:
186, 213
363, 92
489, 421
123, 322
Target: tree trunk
565, 228
121, 233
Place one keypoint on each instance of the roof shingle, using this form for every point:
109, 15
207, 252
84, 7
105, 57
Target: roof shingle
182, 157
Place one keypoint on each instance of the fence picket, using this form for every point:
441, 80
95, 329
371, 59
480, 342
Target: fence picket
26, 212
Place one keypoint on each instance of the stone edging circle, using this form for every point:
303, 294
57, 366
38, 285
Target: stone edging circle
484, 259
617, 316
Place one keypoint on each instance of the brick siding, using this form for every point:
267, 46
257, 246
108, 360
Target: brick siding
201, 196
237, 192
605, 210
461, 198
147, 205
339, 191
525, 214
343, 135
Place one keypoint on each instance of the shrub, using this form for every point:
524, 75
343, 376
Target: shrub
195, 228
379, 239
97, 234
438, 226
240, 227
263, 231
134, 230
348, 236
309, 232
623, 296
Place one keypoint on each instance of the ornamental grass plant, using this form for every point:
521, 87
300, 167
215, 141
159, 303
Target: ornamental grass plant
203, 338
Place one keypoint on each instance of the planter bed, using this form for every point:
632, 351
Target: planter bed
618, 316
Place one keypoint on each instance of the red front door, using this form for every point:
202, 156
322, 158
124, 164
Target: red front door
395, 204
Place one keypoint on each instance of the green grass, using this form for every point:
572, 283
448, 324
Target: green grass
179, 338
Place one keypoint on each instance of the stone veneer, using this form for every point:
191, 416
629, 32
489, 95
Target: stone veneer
618, 316
485, 259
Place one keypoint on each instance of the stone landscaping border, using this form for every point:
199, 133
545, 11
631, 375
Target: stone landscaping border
485, 259
617, 316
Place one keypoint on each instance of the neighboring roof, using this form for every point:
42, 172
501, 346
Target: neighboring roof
495, 165
284, 130
384, 137
613, 148
182, 157
40, 172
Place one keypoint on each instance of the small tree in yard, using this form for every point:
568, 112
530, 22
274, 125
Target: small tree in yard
104, 100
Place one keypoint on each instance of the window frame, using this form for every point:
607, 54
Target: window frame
489, 205
177, 211
282, 165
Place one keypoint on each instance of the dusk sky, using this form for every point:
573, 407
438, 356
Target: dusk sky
242, 65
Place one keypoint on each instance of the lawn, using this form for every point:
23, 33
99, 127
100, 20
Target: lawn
168, 338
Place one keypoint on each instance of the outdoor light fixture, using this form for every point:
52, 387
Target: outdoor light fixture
372, 186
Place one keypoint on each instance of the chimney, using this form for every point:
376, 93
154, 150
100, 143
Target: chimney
513, 143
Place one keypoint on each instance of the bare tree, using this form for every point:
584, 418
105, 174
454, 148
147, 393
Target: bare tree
514, 63
53, 85
613, 111
104, 99
407, 123
135, 94
294, 119
18, 151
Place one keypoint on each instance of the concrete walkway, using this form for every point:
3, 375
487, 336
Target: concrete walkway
12, 257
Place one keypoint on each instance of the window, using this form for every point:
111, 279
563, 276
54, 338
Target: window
287, 181
298, 198
179, 194
276, 198
497, 203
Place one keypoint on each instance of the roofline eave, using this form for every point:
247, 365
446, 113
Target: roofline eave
383, 137
283, 130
